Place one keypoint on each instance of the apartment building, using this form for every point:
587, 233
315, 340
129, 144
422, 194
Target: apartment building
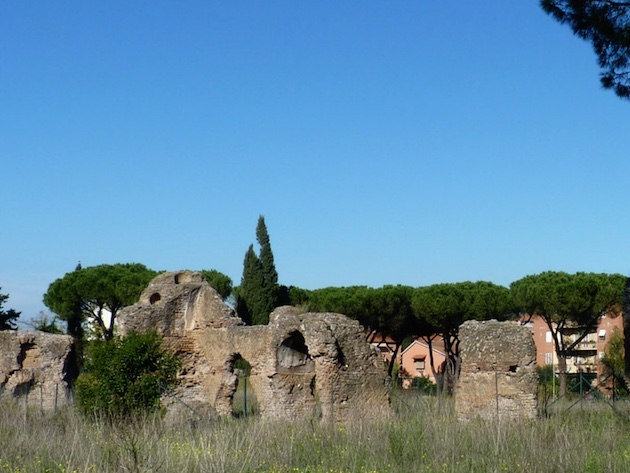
588, 352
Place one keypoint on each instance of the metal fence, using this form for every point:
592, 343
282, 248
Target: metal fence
586, 391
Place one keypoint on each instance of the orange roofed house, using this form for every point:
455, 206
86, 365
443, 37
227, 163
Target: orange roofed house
415, 360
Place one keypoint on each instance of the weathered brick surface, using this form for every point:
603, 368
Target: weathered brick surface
302, 364
37, 367
498, 371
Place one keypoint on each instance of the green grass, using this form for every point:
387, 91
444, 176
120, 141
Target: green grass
421, 435
245, 397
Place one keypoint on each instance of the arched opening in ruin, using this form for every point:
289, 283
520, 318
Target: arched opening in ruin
244, 402
182, 278
295, 378
293, 354
155, 298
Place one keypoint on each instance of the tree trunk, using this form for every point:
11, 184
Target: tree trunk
393, 360
452, 363
429, 341
562, 373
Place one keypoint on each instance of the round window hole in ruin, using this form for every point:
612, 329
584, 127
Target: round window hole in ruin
155, 298
293, 351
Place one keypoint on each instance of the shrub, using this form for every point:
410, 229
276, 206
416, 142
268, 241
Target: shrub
424, 385
125, 376
46, 323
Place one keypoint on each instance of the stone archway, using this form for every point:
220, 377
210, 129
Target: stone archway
294, 380
236, 396
292, 355
245, 402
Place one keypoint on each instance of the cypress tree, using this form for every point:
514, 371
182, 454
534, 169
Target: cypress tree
258, 293
251, 303
266, 255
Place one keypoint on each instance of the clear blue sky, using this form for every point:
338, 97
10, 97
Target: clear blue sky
384, 142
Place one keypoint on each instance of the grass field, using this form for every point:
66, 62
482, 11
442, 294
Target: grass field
420, 435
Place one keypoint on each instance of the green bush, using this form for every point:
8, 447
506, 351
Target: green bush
125, 376
424, 385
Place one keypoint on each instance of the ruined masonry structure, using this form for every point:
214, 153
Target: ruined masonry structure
498, 377
36, 367
302, 365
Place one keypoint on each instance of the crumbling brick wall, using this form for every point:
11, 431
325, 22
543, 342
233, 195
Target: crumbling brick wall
301, 364
498, 377
36, 367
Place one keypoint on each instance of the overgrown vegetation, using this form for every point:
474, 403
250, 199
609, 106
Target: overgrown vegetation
421, 435
46, 323
614, 362
219, 282
126, 376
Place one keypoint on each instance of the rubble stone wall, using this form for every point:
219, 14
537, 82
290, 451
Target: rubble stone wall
498, 371
301, 364
37, 367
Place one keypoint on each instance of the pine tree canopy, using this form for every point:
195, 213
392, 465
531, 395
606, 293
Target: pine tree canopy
606, 24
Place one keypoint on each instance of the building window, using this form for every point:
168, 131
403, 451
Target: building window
602, 355
419, 364
602, 335
548, 358
548, 337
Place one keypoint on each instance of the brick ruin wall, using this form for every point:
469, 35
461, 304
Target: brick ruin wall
311, 364
36, 368
498, 377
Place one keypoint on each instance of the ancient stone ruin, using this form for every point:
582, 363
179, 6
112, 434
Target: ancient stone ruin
36, 367
308, 364
498, 377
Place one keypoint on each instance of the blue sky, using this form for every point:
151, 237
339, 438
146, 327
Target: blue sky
384, 142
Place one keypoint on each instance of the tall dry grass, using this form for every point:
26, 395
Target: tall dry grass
421, 435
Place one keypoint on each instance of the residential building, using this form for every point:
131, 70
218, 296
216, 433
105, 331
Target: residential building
415, 360
588, 352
